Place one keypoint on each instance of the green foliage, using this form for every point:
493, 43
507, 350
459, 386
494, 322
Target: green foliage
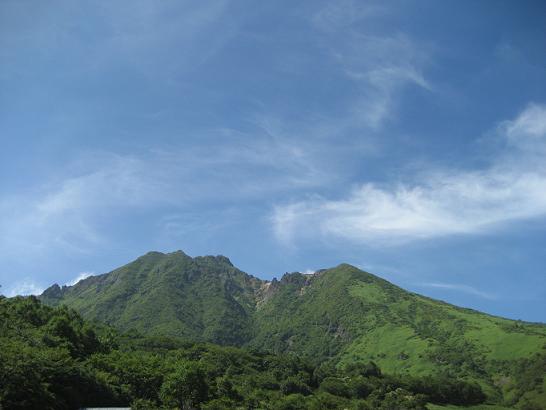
336, 386
52, 359
143, 404
41, 351
295, 385
402, 399
186, 387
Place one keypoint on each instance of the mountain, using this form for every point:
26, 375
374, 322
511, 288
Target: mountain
203, 298
339, 316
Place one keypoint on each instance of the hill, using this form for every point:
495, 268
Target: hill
338, 316
203, 298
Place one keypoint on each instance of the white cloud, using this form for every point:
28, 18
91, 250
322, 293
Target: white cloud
381, 66
159, 40
440, 203
459, 288
342, 14
381, 86
528, 131
166, 37
232, 167
80, 276
24, 287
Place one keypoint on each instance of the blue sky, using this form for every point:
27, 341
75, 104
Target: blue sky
406, 138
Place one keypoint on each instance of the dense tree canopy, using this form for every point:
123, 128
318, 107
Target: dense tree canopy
52, 359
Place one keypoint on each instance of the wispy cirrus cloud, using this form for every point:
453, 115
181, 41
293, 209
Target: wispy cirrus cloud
141, 38
470, 290
342, 14
440, 202
380, 66
69, 213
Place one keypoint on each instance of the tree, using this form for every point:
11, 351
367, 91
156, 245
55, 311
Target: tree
369, 369
336, 386
403, 399
295, 384
185, 388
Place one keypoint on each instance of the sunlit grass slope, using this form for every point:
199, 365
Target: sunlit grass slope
350, 315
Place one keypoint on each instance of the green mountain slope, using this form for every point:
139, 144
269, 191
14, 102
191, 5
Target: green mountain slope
203, 298
354, 316
340, 316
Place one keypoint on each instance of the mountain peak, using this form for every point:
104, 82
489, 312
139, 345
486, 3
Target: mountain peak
153, 253
180, 253
53, 291
224, 259
341, 312
220, 259
295, 278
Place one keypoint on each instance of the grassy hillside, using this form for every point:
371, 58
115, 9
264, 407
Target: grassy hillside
339, 316
347, 315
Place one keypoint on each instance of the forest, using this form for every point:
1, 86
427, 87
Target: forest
51, 358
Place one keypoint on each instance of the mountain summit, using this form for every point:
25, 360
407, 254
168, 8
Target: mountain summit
202, 298
342, 314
